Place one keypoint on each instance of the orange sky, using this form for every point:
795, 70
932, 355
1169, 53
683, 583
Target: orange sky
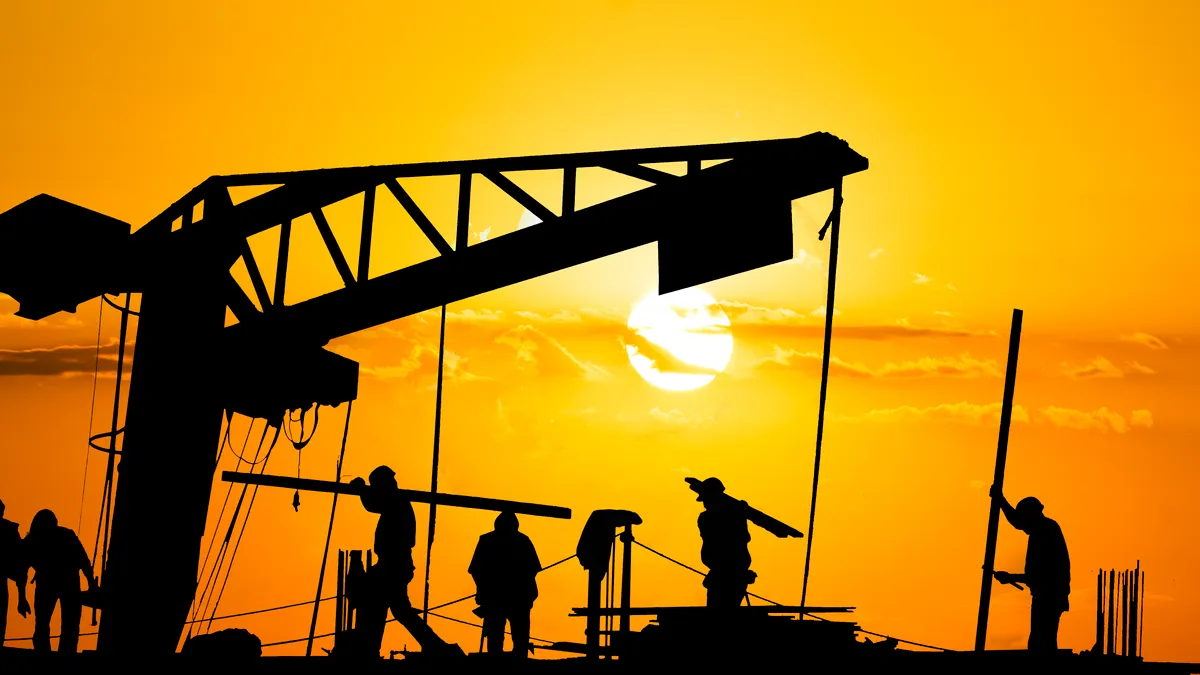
1021, 156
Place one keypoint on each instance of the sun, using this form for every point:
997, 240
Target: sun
679, 341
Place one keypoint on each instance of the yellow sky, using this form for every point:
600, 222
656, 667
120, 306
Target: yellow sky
1021, 156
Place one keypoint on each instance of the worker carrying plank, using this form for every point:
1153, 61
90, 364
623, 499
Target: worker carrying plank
1047, 569
726, 536
395, 536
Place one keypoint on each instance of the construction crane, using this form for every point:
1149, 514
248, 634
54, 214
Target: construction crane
189, 368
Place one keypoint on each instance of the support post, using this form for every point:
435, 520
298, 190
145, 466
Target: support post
339, 618
626, 570
1133, 611
834, 222
1125, 613
989, 554
433, 481
1112, 624
312, 630
173, 432
1099, 612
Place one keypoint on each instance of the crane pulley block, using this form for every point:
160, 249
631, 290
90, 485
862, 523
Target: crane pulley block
269, 383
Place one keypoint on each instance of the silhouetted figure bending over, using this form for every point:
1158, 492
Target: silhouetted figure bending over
395, 536
726, 550
505, 568
1047, 569
57, 557
12, 566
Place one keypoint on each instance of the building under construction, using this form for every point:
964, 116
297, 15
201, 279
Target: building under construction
273, 363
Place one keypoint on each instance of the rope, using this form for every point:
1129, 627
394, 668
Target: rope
224, 504
245, 520
468, 597
329, 534
87, 457
201, 604
667, 557
437, 438
833, 221
108, 478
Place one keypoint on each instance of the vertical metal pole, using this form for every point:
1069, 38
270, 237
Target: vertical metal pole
989, 553
1133, 610
1099, 648
312, 629
1125, 613
339, 619
1142, 608
626, 570
1112, 592
433, 481
835, 222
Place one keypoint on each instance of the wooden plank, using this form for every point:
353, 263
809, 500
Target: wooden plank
989, 553
441, 498
751, 609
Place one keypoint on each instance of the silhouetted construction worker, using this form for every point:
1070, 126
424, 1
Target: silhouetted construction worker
57, 557
1047, 569
505, 568
726, 550
395, 536
12, 566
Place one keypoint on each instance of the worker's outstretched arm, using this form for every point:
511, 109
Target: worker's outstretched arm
370, 499
1009, 512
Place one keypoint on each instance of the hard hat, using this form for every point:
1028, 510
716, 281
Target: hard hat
706, 487
380, 474
1029, 506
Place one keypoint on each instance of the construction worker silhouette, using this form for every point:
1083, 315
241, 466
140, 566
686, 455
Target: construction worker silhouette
1047, 569
505, 568
726, 550
57, 557
395, 536
12, 566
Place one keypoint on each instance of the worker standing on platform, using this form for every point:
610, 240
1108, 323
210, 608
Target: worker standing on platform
57, 557
12, 566
395, 536
1047, 569
505, 568
726, 551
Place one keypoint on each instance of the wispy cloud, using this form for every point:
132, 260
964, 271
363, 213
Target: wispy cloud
919, 278
820, 312
1098, 367
1102, 420
952, 287
1139, 368
963, 365
63, 360
546, 355
805, 259
1145, 340
876, 253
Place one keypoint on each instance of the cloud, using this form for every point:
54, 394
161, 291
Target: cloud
661, 359
561, 316
820, 312
1102, 420
543, 354
1145, 339
952, 287
1139, 368
806, 260
747, 313
421, 361
1099, 367
919, 278
1141, 418
959, 413
62, 360
876, 253
955, 366
943, 313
